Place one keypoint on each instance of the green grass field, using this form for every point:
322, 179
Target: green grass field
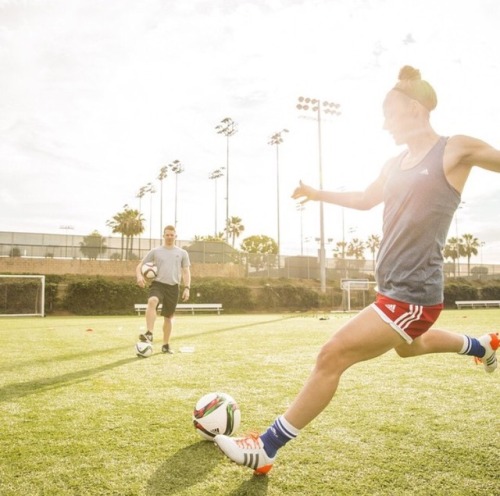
80, 414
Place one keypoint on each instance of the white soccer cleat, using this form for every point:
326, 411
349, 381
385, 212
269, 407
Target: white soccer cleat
490, 342
248, 451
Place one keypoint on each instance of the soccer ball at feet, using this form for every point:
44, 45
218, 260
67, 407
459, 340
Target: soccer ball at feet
216, 413
143, 349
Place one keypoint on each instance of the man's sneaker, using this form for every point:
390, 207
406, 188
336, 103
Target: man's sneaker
166, 349
490, 342
146, 337
248, 451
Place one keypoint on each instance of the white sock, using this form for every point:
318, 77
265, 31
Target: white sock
289, 427
466, 346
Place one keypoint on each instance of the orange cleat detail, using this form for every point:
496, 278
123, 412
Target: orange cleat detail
491, 343
248, 451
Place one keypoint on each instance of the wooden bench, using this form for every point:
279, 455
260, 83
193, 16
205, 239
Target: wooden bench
478, 304
185, 307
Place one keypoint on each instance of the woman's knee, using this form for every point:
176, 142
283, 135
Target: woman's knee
330, 357
404, 352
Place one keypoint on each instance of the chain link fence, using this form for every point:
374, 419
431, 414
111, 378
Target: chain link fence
68, 246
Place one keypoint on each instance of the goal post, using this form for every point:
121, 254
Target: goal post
348, 285
22, 295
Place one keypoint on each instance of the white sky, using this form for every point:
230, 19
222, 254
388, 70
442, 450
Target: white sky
96, 96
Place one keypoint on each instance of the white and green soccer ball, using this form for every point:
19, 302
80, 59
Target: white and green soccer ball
216, 413
143, 349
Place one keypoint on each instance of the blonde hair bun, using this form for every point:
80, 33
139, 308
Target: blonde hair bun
409, 73
412, 85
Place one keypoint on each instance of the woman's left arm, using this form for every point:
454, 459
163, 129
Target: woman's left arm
462, 153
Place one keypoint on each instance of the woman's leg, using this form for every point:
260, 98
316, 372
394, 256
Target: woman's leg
364, 337
432, 341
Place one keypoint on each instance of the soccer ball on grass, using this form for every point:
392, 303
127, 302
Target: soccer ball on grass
216, 413
143, 349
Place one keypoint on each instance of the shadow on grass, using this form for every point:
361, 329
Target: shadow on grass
105, 351
192, 465
255, 486
65, 358
234, 328
19, 390
187, 467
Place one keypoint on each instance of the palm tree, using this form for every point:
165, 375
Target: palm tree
340, 249
470, 247
234, 228
133, 226
128, 223
116, 225
355, 249
453, 249
373, 244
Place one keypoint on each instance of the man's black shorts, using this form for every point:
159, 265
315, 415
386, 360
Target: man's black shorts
167, 295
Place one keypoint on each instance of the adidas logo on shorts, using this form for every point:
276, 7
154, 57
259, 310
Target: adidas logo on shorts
391, 307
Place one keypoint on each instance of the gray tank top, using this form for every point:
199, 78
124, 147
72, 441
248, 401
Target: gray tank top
419, 207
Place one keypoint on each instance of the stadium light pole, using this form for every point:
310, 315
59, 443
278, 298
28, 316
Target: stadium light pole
66, 227
314, 105
177, 168
228, 128
161, 176
481, 246
457, 246
300, 208
215, 175
276, 140
151, 190
140, 194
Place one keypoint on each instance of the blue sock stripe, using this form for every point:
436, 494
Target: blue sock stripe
276, 437
474, 348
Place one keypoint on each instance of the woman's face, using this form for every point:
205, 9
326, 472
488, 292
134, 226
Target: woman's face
400, 116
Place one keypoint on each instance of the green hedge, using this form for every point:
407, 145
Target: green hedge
99, 296
491, 291
287, 296
464, 290
116, 296
234, 297
454, 291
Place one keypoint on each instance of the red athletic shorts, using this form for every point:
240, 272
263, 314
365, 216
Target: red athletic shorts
410, 321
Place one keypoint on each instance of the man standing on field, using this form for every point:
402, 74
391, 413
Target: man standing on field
173, 265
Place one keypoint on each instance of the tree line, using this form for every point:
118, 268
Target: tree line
129, 223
